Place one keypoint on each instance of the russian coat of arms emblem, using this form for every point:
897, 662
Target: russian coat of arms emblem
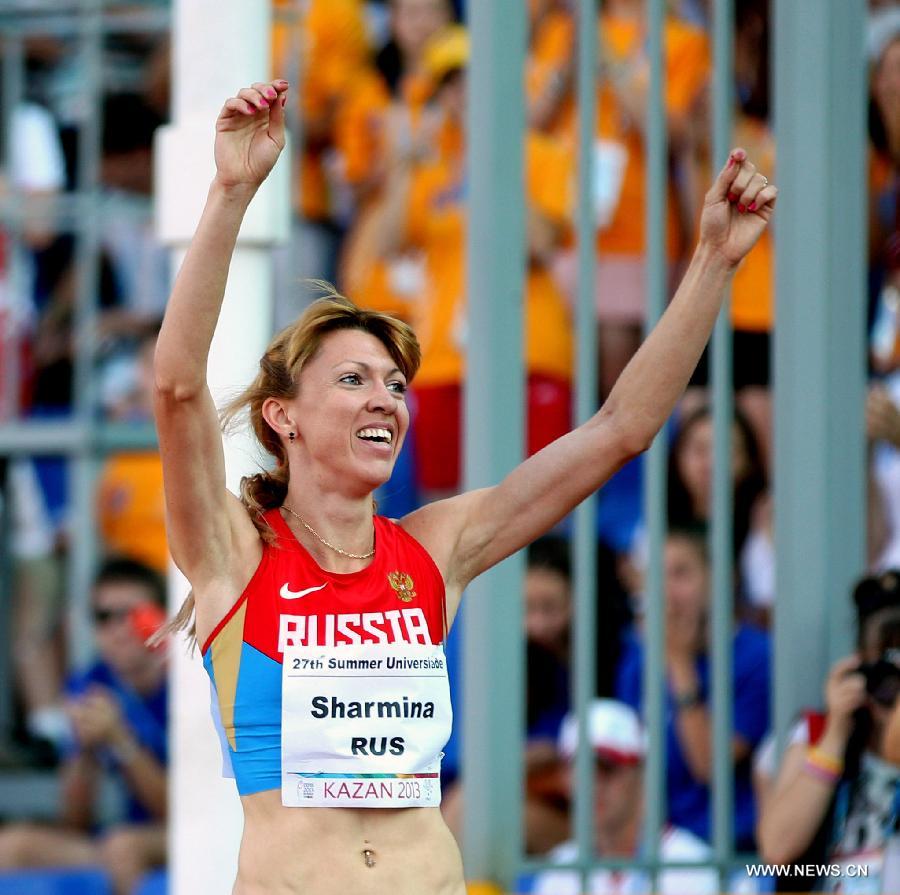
402, 585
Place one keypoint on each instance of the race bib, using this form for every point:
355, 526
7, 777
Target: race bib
363, 725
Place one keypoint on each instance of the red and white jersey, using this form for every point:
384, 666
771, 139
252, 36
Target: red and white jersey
291, 601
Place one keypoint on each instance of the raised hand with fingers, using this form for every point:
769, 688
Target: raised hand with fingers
250, 134
737, 208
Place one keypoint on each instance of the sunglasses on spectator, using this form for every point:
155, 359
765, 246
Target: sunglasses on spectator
105, 616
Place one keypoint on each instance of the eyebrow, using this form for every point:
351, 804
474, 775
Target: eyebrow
365, 366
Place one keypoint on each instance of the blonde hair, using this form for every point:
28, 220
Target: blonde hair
279, 377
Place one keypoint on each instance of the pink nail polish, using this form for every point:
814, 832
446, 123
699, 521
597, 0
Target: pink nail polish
730, 161
741, 209
732, 197
752, 207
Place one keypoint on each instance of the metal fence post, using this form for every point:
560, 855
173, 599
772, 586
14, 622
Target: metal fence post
819, 339
493, 722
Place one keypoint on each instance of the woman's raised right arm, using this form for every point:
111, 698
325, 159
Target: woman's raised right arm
206, 524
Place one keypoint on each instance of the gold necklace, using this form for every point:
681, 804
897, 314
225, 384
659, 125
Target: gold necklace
331, 546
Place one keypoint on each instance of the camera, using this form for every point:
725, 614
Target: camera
883, 677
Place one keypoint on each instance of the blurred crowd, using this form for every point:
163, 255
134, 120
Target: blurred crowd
379, 208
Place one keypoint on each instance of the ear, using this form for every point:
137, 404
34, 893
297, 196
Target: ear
276, 415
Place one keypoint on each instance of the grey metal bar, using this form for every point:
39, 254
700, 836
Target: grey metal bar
57, 23
722, 528
35, 7
7, 583
295, 125
493, 721
536, 865
819, 339
17, 300
585, 539
72, 437
65, 210
82, 469
846, 336
655, 461
13, 88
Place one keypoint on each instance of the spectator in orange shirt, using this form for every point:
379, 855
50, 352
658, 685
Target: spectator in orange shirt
753, 288
620, 177
424, 207
386, 115
395, 84
550, 65
330, 43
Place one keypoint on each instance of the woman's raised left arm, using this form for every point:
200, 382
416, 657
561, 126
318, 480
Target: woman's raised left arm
468, 534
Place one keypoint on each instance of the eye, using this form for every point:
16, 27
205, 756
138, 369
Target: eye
398, 387
352, 377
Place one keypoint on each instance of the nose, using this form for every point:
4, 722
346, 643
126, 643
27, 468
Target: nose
382, 399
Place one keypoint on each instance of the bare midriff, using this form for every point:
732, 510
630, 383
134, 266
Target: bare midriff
332, 851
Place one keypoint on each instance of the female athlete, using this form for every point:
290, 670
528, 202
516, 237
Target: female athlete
321, 623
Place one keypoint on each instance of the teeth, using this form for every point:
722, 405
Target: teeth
375, 433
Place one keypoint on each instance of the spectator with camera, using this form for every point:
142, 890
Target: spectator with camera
117, 709
837, 794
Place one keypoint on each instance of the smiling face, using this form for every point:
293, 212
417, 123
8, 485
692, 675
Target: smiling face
350, 412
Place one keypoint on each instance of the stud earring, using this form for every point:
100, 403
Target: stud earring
291, 436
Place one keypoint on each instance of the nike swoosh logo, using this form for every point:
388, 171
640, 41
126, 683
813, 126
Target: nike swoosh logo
288, 594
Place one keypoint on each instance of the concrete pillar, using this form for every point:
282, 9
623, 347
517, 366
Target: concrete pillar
219, 47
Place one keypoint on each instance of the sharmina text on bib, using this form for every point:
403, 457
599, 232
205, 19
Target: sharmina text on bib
363, 725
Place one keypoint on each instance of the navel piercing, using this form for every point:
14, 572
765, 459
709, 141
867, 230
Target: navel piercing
369, 857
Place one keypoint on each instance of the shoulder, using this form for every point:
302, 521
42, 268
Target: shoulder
565, 851
632, 650
405, 532
558, 882
406, 541
435, 527
32, 116
752, 646
683, 35
681, 844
